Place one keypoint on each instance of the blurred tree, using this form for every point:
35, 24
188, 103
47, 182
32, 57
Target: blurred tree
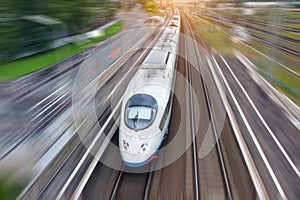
151, 6
19, 36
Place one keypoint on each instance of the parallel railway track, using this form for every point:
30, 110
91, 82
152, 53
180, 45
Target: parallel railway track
254, 33
127, 184
130, 185
189, 32
140, 186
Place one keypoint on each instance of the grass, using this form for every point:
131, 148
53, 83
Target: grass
213, 35
21, 67
9, 189
277, 72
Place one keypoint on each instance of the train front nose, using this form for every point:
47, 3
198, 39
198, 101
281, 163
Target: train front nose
133, 156
133, 160
138, 160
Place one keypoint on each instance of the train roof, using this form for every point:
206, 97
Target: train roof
157, 59
157, 88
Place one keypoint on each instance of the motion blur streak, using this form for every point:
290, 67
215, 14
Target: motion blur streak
65, 66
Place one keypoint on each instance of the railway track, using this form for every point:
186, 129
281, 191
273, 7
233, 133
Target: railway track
189, 32
276, 22
188, 65
185, 178
254, 33
46, 94
132, 186
262, 187
59, 184
186, 172
140, 185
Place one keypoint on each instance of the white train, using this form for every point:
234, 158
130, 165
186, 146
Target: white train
147, 103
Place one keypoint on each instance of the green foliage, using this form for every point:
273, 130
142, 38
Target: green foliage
151, 6
19, 35
9, 189
20, 67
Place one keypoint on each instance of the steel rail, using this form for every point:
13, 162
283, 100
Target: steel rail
117, 184
219, 151
255, 177
91, 167
194, 147
80, 187
149, 180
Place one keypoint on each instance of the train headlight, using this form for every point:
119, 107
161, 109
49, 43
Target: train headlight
125, 145
144, 147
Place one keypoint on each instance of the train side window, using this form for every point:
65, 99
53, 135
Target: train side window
163, 121
165, 115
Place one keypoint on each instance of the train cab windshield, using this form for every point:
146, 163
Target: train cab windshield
140, 111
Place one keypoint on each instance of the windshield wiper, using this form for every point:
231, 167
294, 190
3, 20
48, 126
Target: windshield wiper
135, 119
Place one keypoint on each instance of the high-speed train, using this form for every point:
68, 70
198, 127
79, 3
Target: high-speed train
147, 102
